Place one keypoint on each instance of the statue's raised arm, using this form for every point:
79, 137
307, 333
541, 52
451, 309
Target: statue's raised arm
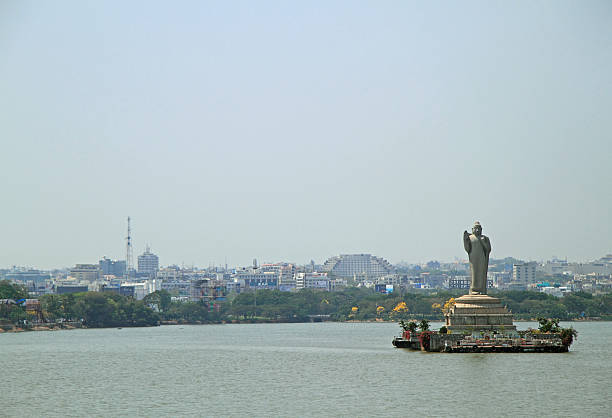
467, 244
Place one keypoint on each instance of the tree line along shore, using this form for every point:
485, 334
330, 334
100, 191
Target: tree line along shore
106, 309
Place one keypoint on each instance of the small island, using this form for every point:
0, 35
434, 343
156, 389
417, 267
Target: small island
477, 322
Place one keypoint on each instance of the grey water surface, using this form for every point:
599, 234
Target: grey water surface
314, 369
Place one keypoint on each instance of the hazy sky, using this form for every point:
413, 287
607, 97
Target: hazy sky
290, 131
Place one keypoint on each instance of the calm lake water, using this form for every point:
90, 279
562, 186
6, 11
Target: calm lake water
322, 369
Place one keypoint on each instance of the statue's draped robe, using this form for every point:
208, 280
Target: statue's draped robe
478, 250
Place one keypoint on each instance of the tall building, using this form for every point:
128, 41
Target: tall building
350, 265
112, 267
524, 273
148, 263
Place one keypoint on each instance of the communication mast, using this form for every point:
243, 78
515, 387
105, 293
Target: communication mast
129, 261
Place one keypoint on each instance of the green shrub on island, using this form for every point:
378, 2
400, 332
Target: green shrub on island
424, 325
568, 335
548, 325
551, 326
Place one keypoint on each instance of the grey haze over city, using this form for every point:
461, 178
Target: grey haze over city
301, 130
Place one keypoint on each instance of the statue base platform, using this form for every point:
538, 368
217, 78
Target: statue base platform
479, 313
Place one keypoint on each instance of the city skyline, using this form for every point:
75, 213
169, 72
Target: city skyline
282, 131
304, 261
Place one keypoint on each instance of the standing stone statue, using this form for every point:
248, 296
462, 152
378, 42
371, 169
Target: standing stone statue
478, 247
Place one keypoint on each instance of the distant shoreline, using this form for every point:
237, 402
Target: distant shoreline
15, 330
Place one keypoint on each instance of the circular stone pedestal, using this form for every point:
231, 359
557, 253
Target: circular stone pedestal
479, 313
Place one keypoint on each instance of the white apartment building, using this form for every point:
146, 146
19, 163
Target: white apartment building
314, 281
284, 271
524, 273
140, 289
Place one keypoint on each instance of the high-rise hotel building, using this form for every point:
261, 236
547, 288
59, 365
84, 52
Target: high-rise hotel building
148, 263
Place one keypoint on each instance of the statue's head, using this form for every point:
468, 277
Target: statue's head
477, 229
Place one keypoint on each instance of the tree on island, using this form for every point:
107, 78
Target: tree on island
567, 336
424, 325
410, 326
549, 325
